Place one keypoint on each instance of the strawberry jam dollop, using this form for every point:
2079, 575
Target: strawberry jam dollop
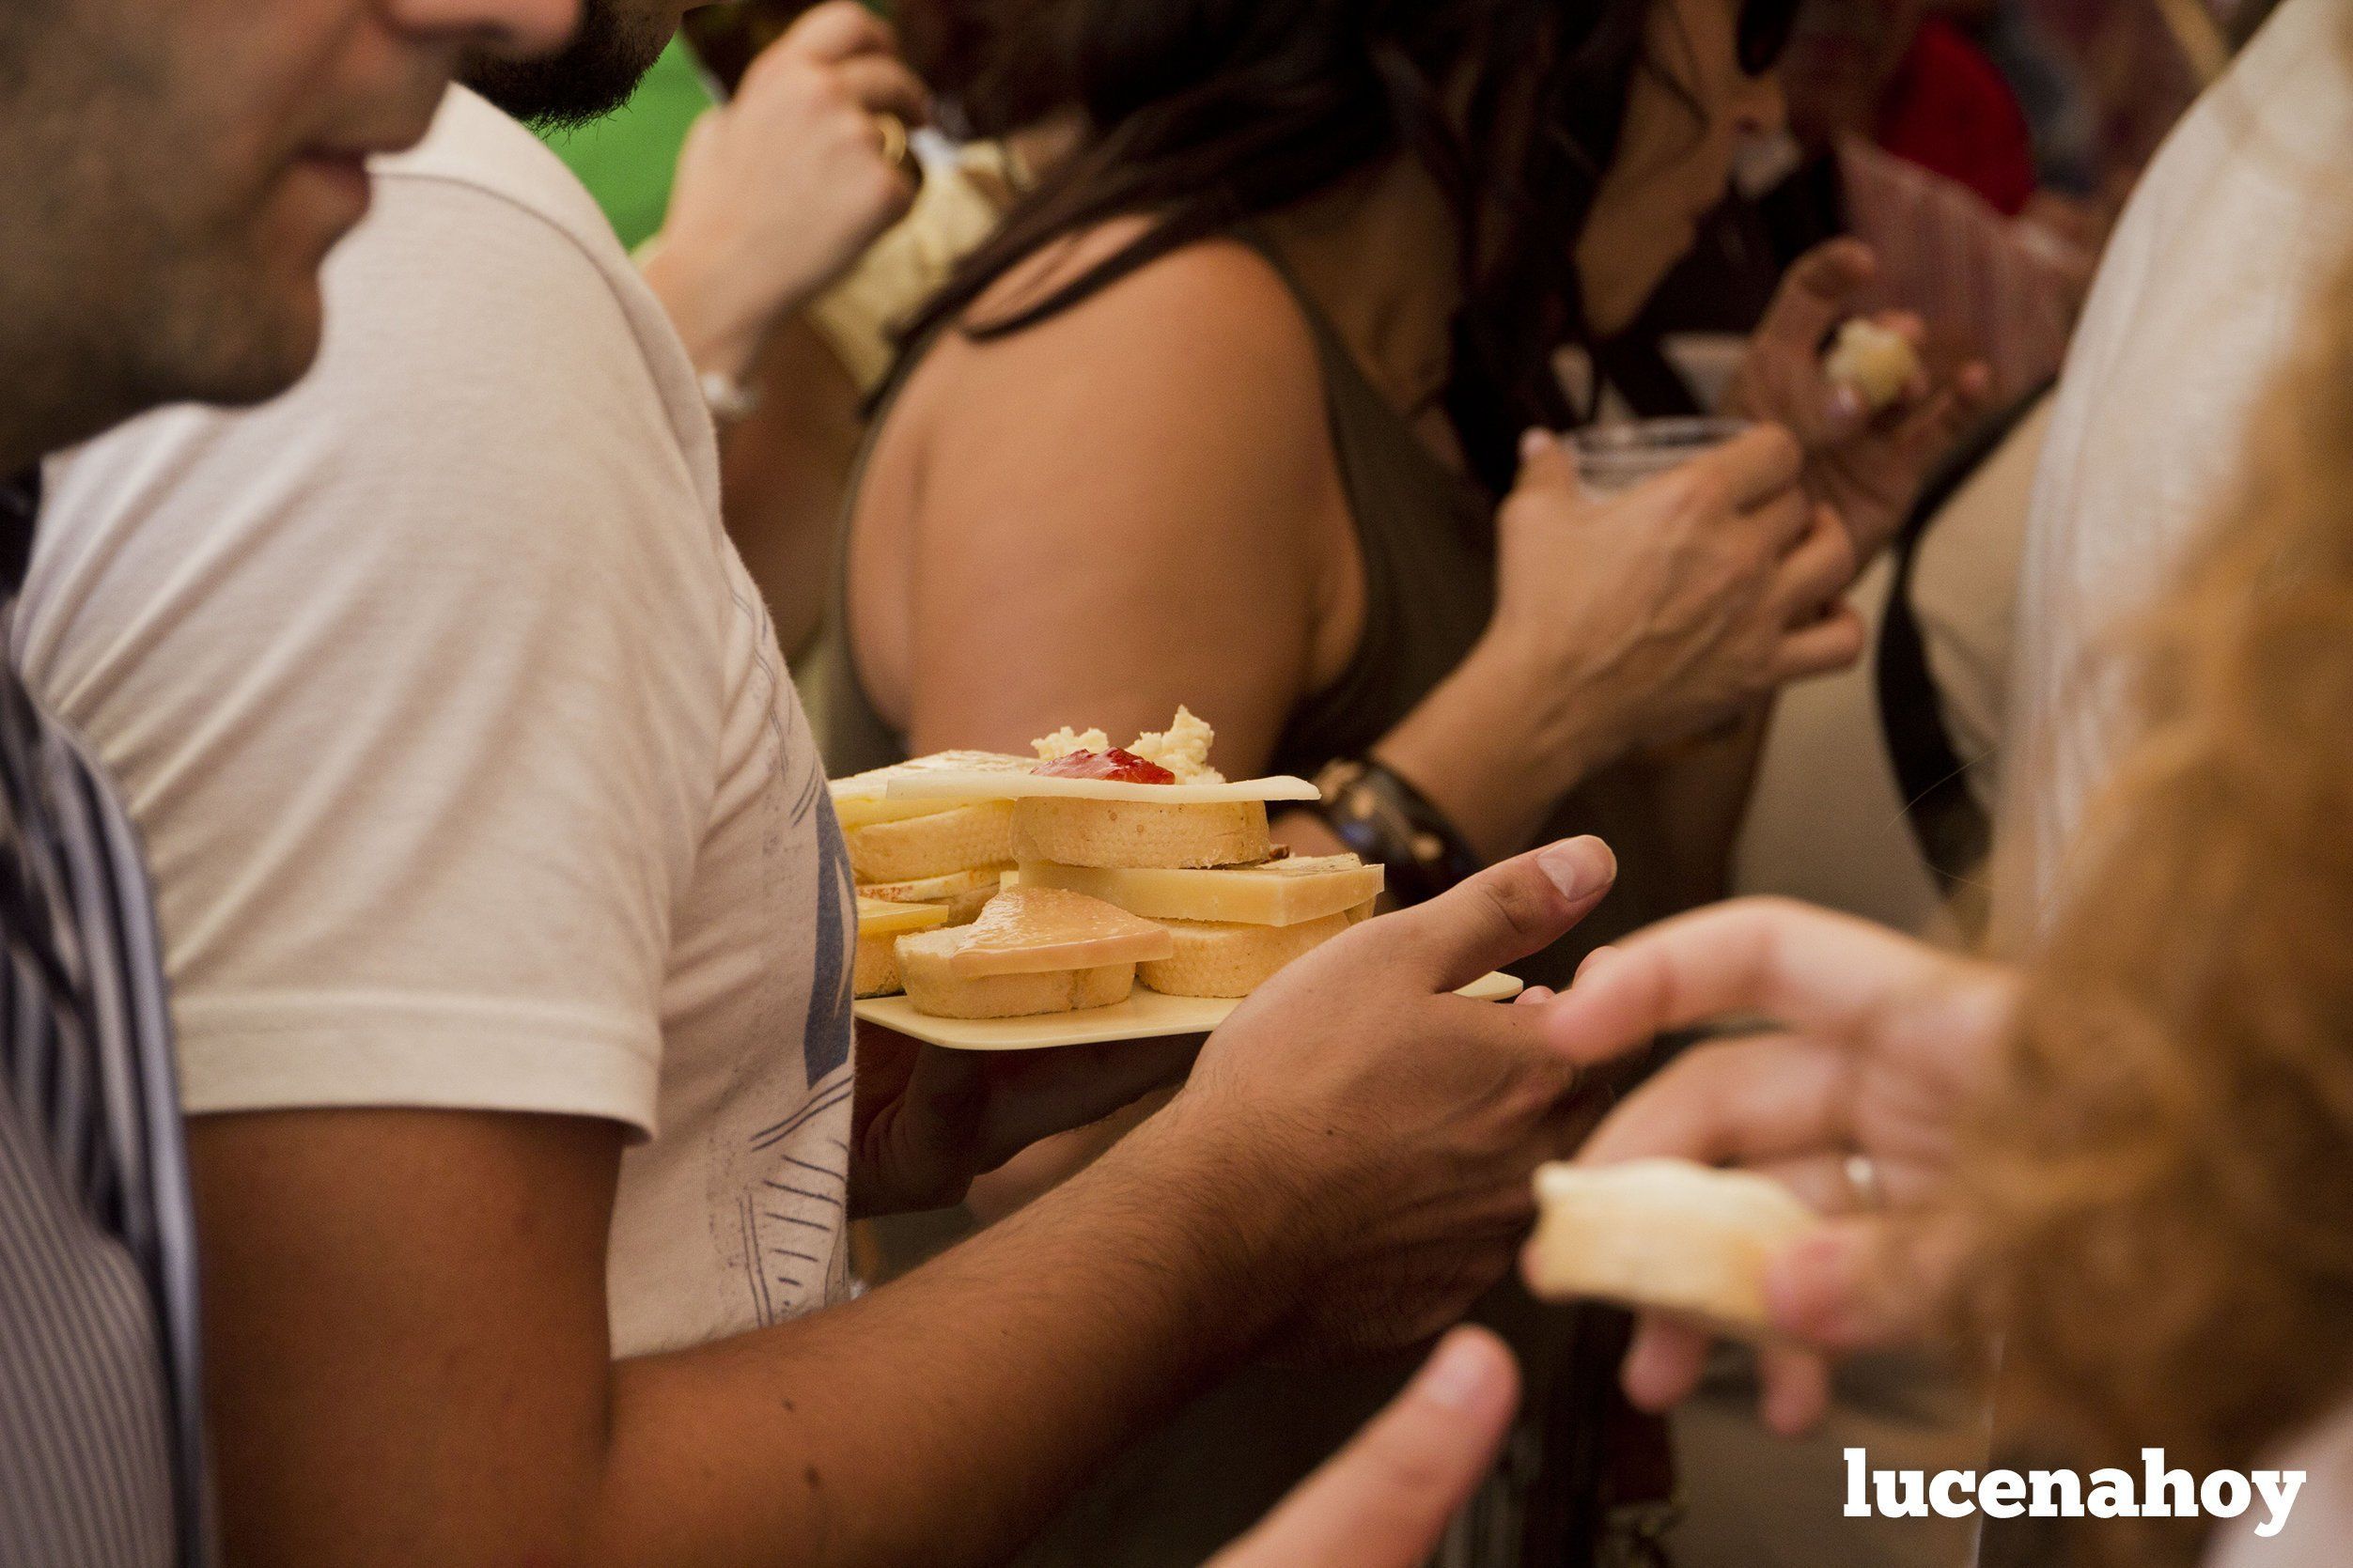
1118, 765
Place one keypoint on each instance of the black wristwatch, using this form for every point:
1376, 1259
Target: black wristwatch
1389, 823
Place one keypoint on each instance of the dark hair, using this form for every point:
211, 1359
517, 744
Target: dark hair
1208, 113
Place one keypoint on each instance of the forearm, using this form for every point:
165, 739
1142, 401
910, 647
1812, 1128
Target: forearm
1702, 787
723, 314
941, 1419
1495, 749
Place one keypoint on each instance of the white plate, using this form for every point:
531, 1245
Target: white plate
1145, 1016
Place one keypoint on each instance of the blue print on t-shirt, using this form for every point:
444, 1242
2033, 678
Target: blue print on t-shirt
825, 1044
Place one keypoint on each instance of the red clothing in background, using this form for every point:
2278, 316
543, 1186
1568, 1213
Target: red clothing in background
1950, 111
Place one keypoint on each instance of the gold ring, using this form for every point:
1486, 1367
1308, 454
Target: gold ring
893, 132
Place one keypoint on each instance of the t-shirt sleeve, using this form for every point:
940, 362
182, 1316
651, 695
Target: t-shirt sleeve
412, 680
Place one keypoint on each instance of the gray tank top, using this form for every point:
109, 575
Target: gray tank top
1427, 535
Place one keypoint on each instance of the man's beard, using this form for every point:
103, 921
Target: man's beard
586, 79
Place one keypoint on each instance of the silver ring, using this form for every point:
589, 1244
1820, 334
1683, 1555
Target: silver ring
1862, 1175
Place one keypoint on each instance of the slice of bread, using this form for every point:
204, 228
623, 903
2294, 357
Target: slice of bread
937, 845
1664, 1235
1286, 891
933, 990
963, 894
1233, 960
874, 969
1130, 834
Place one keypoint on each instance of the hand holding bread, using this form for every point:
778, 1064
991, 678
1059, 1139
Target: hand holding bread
1883, 1046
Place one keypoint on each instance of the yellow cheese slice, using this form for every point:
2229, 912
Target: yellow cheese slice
857, 799
932, 889
1003, 784
878, 917
1038, 930
1280, 892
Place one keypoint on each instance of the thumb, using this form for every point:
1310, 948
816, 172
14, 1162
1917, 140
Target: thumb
1500, 916
1383, 1501
1545, 464
1817, 291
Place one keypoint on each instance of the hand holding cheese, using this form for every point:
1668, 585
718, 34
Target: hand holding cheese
1407, 1119
1887, 1046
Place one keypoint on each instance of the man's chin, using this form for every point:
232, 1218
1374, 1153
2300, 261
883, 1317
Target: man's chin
586, 79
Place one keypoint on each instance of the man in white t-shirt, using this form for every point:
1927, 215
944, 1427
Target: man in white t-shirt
2244, 215
508, 922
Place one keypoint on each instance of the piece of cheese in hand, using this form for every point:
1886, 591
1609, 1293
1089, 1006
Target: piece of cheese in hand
1664, 1235
1278, 893
1034, 930
1877, 363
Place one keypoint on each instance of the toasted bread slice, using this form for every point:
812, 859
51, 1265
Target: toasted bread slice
962, 895
874, 972
1120, 833
1231, 959
937, 845
1664, 1235
933, 990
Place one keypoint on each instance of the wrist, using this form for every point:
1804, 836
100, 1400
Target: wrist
721, 323
1253, 1224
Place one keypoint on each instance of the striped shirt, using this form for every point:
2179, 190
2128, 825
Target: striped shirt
100, 1430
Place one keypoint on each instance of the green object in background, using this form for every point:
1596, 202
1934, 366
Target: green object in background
627, 157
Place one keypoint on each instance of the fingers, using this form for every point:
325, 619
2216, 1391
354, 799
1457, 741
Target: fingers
1863, 1283
1498, 917
1817, 571
1818, 290
1755, 466
1747, 1101
1663, 1362
879, 84
1797, 1389
1826, 645
1826, 975
1385, 1499
833, 32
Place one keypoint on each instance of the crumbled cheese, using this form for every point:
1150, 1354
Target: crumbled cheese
1183, 749
1066, 740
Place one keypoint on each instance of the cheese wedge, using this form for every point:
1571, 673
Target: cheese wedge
874, 970
1877, 363
938, 844
1118, 833
1277, 892
1665, 1234
1034, 930
1229, 960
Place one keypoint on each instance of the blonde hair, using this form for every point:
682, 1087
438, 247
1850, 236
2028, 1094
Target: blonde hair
2168, 1178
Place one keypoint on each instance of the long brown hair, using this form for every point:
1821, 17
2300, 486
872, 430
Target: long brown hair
2169, 1178
1205, 114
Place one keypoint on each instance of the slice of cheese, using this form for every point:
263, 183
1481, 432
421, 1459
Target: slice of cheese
933, 889
879, 917
1666, 1234
1038, 930
859, 800
995, 785
1280, 892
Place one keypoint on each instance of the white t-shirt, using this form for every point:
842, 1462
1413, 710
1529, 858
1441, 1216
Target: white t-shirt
469, 769
2244, 216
